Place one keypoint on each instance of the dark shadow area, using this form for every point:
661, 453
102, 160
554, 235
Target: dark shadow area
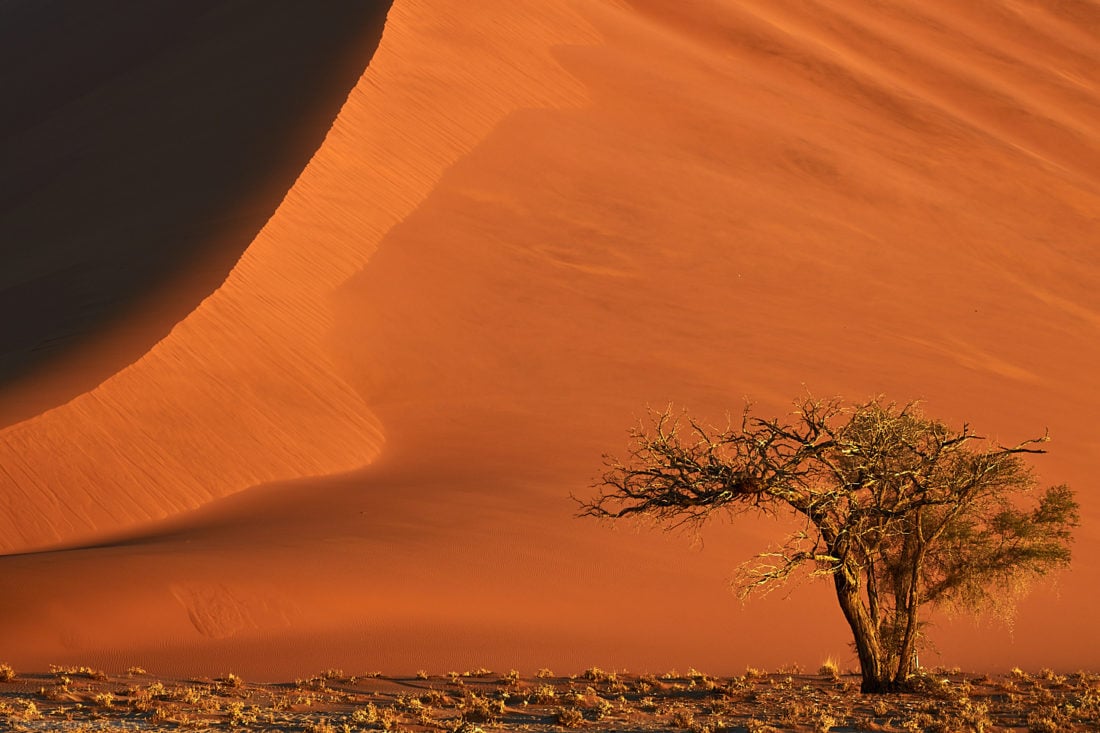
143, 144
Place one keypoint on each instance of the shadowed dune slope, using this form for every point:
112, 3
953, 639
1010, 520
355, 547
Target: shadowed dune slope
143, 145
529, 221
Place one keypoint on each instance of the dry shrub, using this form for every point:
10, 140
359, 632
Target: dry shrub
918, 722
683, 718
542, 695
7, 674
178, 718
823, 722
374, 717
595, 674
479, 673
365, 716
237, 714
829, 669
85, 672
23, 709
478, 709
321, 726
601, 708
569, 717
1047, 719
432, 696
759, 726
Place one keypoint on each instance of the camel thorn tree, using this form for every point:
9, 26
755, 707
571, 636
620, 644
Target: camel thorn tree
901, 512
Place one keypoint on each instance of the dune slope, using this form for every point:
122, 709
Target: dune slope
144, 144
529, 221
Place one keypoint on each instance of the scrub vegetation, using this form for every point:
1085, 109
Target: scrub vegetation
940, 701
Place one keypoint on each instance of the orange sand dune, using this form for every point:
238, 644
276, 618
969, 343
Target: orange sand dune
529, 221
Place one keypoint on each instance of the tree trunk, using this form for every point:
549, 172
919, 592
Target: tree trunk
908, 650
876, 677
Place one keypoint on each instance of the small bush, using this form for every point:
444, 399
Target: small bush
569, 717
829, 669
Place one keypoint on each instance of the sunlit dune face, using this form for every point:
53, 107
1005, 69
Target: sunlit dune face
527, 224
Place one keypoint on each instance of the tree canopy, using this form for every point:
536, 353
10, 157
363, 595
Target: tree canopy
900, 511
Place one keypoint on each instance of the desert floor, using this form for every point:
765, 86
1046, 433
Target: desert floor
85, 699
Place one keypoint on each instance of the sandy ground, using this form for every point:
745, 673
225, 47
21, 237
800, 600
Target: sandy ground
528, 221
87, 699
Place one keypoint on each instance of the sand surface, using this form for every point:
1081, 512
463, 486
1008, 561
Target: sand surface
528, 221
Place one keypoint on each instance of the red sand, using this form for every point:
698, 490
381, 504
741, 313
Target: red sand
526, 224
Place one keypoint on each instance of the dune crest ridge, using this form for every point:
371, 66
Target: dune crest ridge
242, 391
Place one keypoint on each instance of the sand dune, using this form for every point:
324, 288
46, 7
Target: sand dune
527, 222
144, 145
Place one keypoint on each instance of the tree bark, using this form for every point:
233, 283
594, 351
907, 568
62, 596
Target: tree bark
908, 649
876, 678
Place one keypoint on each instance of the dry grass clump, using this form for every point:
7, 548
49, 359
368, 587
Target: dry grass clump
19, 709
232, 681
823, 722
829, 669
752, 725
85, 672
595, 674
682, 718
477, 708
374, 717
542, 695
7, 674
569, 717
1046, 720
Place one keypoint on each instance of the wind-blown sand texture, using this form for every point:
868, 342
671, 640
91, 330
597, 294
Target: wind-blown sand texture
528, 221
